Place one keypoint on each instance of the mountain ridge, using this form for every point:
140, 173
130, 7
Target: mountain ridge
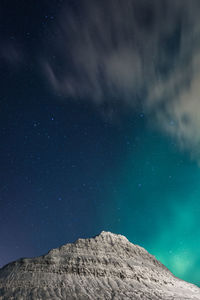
106, 266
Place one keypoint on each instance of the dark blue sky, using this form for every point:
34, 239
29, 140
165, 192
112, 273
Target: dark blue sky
99, 116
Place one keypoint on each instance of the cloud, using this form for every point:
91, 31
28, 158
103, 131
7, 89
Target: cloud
180, 116
134, 53
10, 53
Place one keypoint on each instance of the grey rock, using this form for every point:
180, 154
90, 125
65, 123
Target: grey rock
107, 266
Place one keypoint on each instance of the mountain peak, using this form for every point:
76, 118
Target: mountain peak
107, 265
108, 234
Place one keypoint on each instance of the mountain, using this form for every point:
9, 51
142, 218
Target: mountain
107, 266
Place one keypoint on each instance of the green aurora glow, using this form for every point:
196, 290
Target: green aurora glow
156, 204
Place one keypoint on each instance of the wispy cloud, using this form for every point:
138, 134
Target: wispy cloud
115, 51
10, 53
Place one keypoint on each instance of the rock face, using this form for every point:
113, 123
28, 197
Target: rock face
107, 266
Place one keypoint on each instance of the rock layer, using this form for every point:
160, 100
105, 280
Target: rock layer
107, 266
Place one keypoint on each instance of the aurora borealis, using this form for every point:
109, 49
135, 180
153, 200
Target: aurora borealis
99, 126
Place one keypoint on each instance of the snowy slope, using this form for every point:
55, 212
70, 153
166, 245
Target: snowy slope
107, 266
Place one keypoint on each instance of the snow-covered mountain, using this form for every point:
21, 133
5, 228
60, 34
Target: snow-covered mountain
107, 266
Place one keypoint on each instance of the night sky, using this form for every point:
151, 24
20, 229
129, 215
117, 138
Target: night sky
100, 126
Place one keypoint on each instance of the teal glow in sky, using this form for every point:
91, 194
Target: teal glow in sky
155, 203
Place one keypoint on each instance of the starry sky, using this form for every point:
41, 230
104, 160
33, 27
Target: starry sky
99, 126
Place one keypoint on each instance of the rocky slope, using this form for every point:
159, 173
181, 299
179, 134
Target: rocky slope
107, 266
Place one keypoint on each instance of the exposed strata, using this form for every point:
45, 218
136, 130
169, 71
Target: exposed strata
107, 266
